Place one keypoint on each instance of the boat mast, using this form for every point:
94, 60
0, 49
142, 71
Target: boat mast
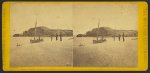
98, 30
35, 28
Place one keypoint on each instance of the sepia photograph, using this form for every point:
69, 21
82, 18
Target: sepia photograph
41, 35
106, 35
73, 35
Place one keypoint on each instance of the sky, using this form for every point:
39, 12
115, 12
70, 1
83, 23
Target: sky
78, 17
54, 16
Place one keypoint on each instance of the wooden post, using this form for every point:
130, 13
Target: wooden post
60, 37
119, 37
39, 37
123, 37
56, 36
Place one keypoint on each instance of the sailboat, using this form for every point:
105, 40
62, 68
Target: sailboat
99, 40
36, 40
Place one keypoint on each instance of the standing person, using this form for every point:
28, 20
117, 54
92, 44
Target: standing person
119, 37
123, 37
60, 36
56, 36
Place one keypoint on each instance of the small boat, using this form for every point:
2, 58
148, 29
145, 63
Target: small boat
134, 38
18, 44
99, 40
71, 38
35, 40
81, 44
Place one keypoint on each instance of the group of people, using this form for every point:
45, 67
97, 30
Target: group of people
119, 37
60, 35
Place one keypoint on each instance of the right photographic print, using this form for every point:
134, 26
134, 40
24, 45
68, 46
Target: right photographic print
105, 35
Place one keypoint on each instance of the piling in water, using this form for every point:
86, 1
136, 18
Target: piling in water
119, 37
39, 38
60, 37
123, 37
56, 36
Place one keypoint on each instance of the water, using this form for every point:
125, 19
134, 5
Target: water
107, 54
46, 53
79, 51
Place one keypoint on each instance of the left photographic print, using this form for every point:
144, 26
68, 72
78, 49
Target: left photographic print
41, 35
